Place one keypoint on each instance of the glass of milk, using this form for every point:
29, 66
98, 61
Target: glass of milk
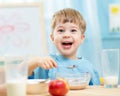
110, 67
16, 75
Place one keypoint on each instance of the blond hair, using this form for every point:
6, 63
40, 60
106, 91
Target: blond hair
69, 15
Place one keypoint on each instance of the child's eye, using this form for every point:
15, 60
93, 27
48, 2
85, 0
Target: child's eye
60, 30
73, 30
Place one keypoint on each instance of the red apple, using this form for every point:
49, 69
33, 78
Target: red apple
58, 87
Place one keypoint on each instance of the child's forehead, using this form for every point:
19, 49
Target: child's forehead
64, 20
67, 24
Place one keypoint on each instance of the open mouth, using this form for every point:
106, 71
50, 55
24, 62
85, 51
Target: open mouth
67, 45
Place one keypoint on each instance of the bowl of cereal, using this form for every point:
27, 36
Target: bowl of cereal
76, 81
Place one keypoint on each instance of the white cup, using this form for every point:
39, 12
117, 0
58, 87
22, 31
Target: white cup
110, 67
16, 75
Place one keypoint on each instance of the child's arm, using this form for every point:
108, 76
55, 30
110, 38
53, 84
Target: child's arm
43, 62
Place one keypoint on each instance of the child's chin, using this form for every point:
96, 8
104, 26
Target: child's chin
66, 54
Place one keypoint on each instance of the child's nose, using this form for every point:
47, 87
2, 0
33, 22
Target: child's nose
67, 35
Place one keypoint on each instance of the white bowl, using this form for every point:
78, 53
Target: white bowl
76, 80
37, 86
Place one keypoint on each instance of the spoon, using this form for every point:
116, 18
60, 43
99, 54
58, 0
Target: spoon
45, 81
72, 66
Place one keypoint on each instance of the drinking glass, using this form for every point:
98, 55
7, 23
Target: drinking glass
16, 75
110, 67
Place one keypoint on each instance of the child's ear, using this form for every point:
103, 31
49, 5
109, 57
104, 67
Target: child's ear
52, 37
82, 38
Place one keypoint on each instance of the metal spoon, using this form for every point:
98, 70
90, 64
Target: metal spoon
72, 66
45, 81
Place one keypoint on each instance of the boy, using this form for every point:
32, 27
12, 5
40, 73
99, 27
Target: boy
68, 27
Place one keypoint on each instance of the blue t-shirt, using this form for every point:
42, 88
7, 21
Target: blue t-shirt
82, 64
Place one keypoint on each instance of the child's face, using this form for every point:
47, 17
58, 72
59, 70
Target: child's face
67, 38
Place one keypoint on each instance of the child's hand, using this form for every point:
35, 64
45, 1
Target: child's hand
47, 63
43, 62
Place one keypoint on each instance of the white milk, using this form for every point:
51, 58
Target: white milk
16, 89
111, 80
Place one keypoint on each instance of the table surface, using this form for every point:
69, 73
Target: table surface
91, 91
